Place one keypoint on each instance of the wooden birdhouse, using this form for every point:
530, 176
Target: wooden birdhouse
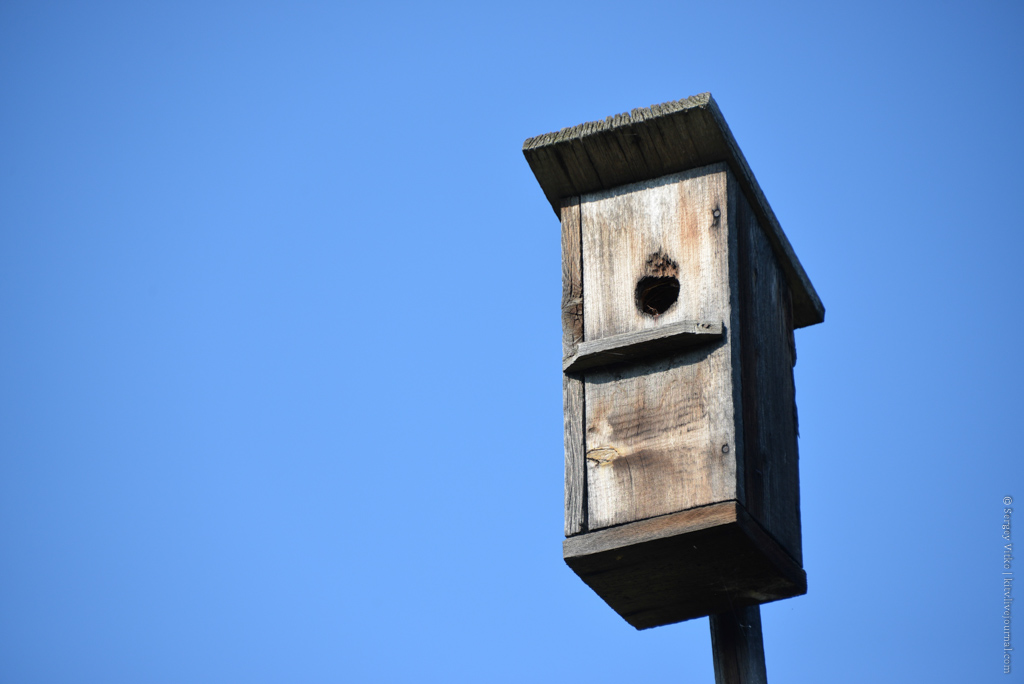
680, 297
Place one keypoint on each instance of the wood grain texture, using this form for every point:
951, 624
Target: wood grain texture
735, 350
769, 455
573, 398
659, 437
663, 227
684, 565
572, 278
575, 471
651, 142
738, 646
644, 344
660, 433
662, 527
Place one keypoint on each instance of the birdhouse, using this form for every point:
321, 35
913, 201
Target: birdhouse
680, 294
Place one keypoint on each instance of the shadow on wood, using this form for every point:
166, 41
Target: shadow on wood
738, 647
685, 565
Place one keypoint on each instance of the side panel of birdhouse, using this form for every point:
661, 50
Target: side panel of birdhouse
572, 384
770, 469
660, 435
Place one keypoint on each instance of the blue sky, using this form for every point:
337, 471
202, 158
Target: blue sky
280, 393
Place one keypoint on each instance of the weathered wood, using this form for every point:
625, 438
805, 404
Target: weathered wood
572, 278
769, 455
684, 565
660, 436
575, 471
653, 142
589, 155
680, 295
738, 646
661, 228
661, 527
644, 344
572, 385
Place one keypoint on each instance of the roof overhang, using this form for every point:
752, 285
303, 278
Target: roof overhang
652, 142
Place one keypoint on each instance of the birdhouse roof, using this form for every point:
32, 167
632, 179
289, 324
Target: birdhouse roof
655, 141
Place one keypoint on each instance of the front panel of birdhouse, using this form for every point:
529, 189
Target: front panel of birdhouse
659, 430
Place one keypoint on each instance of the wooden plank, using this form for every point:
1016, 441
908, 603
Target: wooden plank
769, 455
660, 434
618, 154
652, 142
556, 172
681, 152
684, 565
735, 346
738, 646
665, 228
684, 126
575, 472
572, 385
662, 527
646, 343
572, 278
590, 142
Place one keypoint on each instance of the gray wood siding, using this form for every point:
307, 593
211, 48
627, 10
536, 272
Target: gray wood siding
572, 385
660, 433
770, 464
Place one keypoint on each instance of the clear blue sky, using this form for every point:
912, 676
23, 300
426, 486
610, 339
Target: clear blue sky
280, 387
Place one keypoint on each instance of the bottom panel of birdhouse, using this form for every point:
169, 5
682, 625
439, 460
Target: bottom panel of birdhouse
684, 565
